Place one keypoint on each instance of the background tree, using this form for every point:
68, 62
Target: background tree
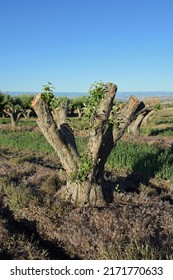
85, 173
15, 106
152, 105
77, 105
25, 102
1, 103
12, 108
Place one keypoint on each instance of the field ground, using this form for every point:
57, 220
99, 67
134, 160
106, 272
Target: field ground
138, 224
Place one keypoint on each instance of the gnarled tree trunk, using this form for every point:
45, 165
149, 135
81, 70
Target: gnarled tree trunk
15, 116
102, 139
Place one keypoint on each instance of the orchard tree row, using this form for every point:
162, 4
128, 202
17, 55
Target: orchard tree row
15, 107
19, 106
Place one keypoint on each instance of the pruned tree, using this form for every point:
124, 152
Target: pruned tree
150, 114
12, 108
77, 105
1, 103
15, 106
151, 107
85, 174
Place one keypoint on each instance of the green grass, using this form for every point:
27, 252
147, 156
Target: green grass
167, 131
5, 121
165, 120
79, 124
24, 140
140, 158
22, 122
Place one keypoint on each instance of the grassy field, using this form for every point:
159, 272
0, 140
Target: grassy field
35, 224
24, 140
161, 124
139, 158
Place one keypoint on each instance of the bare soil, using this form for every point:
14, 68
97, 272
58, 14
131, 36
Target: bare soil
47, 228
35, 224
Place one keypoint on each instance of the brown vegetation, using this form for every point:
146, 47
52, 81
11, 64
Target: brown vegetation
36, 223
137, 224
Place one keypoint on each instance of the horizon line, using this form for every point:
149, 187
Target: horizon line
129, 91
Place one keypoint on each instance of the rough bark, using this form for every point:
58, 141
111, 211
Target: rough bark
103, 137
87, 193
60, 115
100, 120
55, 135
114, 133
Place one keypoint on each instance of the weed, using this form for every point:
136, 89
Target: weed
133, 250
18, 197
50, 185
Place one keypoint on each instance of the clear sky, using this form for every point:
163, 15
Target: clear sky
73, 43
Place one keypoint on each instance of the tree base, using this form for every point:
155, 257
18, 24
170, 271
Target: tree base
84, 194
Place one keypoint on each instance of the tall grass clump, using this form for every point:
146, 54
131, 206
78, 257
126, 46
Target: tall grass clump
142, 159
17, 197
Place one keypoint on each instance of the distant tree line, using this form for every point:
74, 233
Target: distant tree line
16, 107
19, 106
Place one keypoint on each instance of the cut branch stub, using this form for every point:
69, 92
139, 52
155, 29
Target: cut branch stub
64, 148
113, 134
144, 115
128, 113
103, 137
100, 119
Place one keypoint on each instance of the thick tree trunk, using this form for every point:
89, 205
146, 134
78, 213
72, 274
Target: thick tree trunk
103, 137
85, 193
61, 142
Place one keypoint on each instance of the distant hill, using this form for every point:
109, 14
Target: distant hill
144, 94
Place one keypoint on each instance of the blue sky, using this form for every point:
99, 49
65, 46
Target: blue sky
73, 43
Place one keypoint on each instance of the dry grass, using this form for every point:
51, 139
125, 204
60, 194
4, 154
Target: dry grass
35, 224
